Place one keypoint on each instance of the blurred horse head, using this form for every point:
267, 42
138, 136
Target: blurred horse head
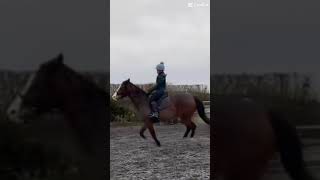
39, 94
55, 86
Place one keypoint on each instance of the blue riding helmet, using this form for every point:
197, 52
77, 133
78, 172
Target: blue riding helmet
160, 67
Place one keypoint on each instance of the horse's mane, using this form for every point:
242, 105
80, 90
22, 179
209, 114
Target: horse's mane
86, 83
138, 89
57, 64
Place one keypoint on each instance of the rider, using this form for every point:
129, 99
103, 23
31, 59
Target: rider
157, 92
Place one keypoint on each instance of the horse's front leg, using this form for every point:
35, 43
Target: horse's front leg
143, 128
149, 125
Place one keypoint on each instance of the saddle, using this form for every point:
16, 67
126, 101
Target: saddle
164, 101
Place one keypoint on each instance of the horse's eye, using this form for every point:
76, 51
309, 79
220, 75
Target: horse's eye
12, 112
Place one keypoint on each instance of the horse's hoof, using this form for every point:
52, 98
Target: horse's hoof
158, 144
143, 136
191, 136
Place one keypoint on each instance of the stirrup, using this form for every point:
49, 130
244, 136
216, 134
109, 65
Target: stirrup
151, 115
154, 117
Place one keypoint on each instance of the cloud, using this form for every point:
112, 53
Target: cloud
34, 31
143, 34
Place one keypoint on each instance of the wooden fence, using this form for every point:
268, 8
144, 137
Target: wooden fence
309, 131
170, 87
292, 85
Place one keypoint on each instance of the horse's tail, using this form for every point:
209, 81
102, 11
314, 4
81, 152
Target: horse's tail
201, 110
290, 148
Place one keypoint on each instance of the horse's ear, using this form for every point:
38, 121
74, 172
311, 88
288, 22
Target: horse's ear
128, 80
60, 58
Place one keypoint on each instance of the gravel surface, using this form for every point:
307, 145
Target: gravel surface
178, 158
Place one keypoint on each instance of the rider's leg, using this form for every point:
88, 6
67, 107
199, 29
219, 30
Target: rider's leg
154, 106
154, 109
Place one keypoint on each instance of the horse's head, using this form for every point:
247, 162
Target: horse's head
38, 95
123, 91
127, 89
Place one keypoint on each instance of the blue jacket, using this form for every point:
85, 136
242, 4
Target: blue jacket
160, 83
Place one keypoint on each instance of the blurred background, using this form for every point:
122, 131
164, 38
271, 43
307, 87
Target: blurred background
31, 33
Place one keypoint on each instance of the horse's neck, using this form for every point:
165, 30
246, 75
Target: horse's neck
139, 101
89, 123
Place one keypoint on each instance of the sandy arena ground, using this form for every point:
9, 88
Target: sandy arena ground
178, 158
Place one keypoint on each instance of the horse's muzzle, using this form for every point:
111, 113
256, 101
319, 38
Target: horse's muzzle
115, 97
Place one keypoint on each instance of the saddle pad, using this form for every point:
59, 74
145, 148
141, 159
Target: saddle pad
163, 103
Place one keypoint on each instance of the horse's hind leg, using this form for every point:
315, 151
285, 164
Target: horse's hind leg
189, 125
153, 133
193, 128
143, 128
187, 131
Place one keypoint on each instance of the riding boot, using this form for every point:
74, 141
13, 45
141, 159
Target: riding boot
154, 115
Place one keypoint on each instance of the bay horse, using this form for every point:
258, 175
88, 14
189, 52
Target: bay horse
55, 86
181, 105
247, 135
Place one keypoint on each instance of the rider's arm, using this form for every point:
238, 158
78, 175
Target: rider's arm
160, 80
152, 89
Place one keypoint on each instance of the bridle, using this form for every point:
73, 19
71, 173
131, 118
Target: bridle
37, 109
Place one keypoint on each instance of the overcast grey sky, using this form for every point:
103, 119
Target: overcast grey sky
251, 36
145, 32
34, 31
262, 36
